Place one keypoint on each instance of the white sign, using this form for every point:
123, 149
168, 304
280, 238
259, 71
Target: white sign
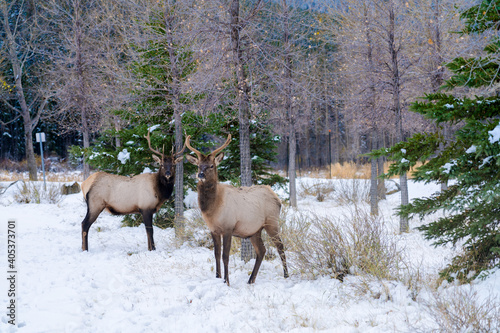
40, 137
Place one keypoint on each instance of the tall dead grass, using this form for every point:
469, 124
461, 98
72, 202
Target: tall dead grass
36, 192
355, 243
346, 170
461, 309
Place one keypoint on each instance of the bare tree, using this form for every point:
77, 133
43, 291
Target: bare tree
27, 98
79, 83
288, 67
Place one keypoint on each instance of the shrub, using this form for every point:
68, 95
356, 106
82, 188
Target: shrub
34, 192
318, 189
460, 309
357, 244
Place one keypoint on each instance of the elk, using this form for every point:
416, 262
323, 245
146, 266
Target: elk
141, 194
229, 211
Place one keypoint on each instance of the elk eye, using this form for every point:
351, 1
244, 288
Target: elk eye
212, 166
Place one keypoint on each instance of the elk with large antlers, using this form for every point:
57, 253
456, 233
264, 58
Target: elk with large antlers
230, 211
142, 194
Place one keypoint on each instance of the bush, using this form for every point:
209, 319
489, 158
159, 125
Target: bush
352, 191
356, 244
460, 309
34, 192
321, 190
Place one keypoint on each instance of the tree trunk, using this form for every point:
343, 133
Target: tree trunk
437, 73
380, 170
373, 177
86, 145
30, 153
247, 252
179, 179
292, 146
116, 123
17, 69
403, 222
289, 109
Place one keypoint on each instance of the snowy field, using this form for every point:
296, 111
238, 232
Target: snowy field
119, 286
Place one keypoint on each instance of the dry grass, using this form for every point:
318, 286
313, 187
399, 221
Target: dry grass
35, 192
461, 309
356, 243
6, 176
347, 170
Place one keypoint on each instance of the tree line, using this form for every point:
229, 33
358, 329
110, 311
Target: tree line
326, 81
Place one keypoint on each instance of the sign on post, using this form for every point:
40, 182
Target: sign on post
40, 137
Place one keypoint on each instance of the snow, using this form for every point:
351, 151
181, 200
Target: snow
152, 128
471, 150
119, 286
494, 134
147, 170
449, 106
124, 156
447, 167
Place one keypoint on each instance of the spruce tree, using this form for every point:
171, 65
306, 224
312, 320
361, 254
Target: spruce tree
470, 207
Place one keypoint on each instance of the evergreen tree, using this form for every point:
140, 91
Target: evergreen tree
133, 156
470, 206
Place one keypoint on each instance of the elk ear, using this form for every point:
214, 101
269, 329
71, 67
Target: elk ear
219, 158
179, 159
192, 159
157, 159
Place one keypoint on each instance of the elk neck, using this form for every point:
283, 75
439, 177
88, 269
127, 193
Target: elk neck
165, 186
207, 194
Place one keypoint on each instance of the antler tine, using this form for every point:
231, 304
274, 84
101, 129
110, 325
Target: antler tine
186, 144
216, 151
149, 144
179, 152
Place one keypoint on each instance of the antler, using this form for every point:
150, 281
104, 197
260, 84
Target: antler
228, 140
215, 152
179, 153
149, 144
186, 144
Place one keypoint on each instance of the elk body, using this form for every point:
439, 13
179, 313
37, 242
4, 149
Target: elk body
229, 211
142, 194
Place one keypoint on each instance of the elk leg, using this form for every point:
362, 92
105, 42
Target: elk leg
272, 231
90, 218
147, 217
217, 245
260, 250
225, 255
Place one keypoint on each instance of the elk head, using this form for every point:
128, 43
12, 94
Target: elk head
207, 164
167, 163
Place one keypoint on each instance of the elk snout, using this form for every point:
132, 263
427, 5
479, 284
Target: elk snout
201, 175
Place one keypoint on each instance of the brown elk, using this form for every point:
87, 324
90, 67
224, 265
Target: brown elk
142, 194
229, 211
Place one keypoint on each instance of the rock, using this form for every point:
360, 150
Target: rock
70, 189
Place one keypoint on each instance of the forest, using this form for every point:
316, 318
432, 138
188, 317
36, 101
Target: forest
298, 85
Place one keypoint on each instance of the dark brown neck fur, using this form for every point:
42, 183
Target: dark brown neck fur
165, 187
207, 195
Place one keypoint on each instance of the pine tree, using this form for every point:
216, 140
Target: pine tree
133, 156
471, 205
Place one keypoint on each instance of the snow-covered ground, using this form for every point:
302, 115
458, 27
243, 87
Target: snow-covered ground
119, 286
